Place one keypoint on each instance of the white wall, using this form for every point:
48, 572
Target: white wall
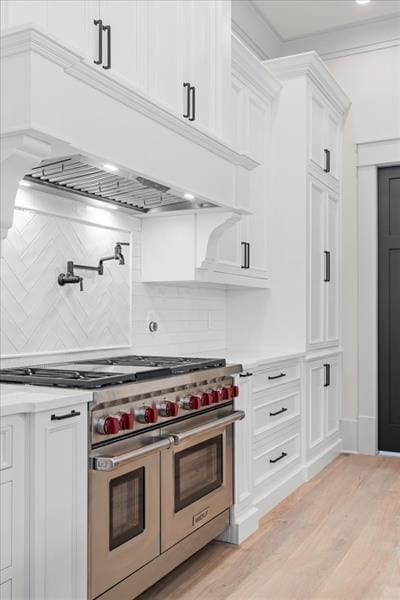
372, 81
41, 321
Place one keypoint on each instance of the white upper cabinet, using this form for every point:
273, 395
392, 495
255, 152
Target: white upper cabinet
323, 266
324, 137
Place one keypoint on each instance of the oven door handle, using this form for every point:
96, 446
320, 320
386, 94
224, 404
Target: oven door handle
178, 438
109, 463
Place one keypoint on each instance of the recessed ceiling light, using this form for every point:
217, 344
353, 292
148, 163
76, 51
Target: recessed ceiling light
188, 196
24, 183
363, 1
111, 168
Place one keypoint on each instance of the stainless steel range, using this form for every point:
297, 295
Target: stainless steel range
160, 461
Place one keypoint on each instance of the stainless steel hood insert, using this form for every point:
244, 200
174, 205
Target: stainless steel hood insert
82, 176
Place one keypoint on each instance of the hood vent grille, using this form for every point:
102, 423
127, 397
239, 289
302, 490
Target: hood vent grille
79, 175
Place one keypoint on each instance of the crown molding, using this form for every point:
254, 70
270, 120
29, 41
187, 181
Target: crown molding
27, 39
253, 71
310, 64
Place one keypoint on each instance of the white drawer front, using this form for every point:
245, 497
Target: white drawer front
274, 408
6, 440
267, 462
275, 375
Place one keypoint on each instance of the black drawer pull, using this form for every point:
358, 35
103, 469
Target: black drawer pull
275, 460
277, 376
186, 115
279, 412
107, 28
192, 92
73, 413
246, 374
327, 277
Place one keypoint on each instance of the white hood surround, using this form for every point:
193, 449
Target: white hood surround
56, 103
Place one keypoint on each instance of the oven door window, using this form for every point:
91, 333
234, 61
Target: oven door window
127, 518
198, 471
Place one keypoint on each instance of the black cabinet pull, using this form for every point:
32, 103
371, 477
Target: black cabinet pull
192, 92
73, 413
187, 86
246, 374
327, 266
99, 23
275, 460
277, 376
278, 412
327, 160
107, 28
327, 375
246, 255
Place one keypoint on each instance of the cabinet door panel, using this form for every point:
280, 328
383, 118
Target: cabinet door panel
332, 399
256, 234
315, 408
331, 142
316, 234
69, 22
332, 287
122, 16
165, 51
317, 130
201, 70
21, 12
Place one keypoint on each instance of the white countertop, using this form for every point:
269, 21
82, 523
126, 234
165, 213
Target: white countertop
29, 399
255, 360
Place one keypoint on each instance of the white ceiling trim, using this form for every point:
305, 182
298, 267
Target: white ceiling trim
258, 34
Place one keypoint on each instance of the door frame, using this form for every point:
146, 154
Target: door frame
370, 157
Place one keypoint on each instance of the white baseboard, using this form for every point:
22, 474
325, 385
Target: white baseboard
318, 463
349, 435
367, 435
241, 527
268, 501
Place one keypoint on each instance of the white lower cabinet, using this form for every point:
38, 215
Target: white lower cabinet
13, 569
322, 397
58, 504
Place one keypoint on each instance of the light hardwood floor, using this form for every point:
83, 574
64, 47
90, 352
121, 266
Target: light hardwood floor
335, 538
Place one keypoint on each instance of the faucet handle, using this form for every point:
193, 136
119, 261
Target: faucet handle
123, 244
81, 284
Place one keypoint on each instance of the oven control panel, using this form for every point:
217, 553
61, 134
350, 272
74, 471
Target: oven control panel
136, 413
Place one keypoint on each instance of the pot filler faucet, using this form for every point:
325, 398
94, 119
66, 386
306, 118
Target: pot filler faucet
70, 277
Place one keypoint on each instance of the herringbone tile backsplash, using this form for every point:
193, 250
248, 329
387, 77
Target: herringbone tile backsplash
37, 314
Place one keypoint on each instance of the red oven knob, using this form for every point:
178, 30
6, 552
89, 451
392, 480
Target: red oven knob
168, 409
108, 425
234, 391
216, 395
146, 414
206, 399
191, 402
226, 393
126, 420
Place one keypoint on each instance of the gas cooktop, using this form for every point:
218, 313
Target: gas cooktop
103, 372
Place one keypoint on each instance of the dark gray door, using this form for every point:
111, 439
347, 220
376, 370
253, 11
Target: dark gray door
389, 308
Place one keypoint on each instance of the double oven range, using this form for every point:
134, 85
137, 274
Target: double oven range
160, 461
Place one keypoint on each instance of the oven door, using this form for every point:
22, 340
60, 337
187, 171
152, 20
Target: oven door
196, 475
124, 510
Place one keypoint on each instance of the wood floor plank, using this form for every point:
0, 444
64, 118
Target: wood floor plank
335, 538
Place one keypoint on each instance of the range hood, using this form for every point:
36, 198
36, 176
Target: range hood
86, 177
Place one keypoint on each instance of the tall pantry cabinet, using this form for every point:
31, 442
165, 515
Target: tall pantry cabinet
304, 237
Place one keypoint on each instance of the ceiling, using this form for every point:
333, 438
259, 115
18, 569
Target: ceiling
291, 19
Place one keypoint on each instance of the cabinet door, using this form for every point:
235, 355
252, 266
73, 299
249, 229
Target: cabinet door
12, 508
332, 126
315, 405
123, 16
316, 264
256, 233
72, 22
332, 396
332, 286
317, 129
200, 58
22, 12
59, 504
166, 54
